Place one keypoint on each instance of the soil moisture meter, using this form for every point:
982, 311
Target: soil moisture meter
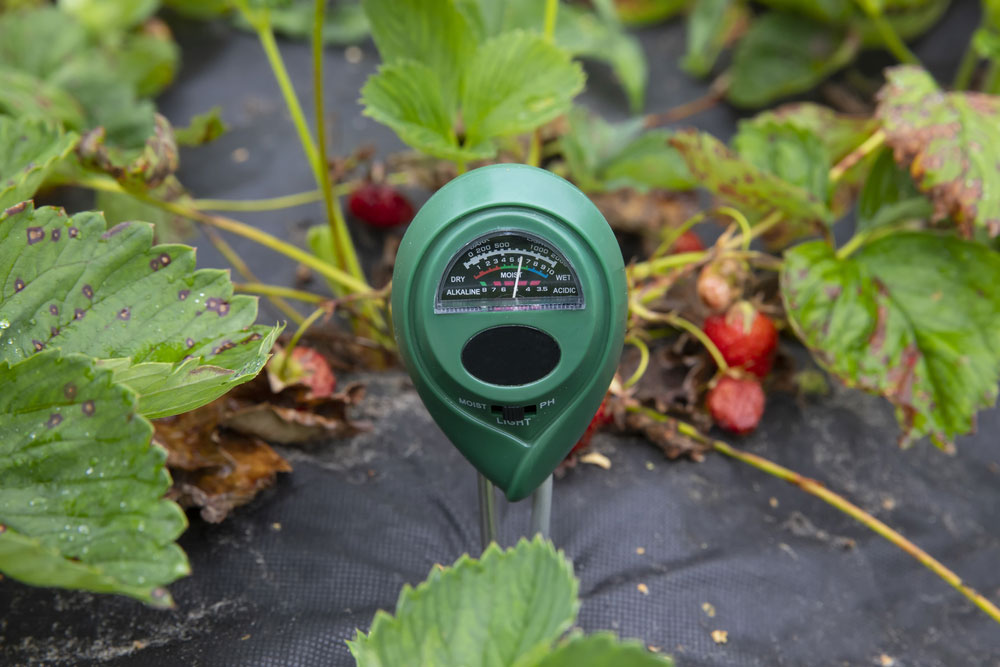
509, 305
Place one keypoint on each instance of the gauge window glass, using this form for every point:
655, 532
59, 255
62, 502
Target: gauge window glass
508, 271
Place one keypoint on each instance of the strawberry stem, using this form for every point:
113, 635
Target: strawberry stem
643, 360
817, 489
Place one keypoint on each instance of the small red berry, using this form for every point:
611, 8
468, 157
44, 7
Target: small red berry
601, 418
745, 338
687, 242
736, 404
380, 205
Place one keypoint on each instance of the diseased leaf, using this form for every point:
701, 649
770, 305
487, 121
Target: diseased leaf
71, 283
148, 168
28, 151
81, 489
203, 128
602, 650
514, 83
796, 155
913, 316
709, 26
737, 180
840, 133
767, 65
950, 143
491, 611
889, 196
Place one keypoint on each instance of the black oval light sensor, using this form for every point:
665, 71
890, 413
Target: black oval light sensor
510, 355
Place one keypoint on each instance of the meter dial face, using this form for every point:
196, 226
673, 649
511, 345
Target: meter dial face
508, 270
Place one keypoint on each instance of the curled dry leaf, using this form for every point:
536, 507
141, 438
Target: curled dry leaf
211, 469
665, 435
291, 425
645, 214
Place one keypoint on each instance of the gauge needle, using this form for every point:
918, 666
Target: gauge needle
517, 278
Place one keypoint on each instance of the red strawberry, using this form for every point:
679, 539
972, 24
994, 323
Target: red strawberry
601, 418
736, 404
307, 368
380, 205
744, 337
687, 242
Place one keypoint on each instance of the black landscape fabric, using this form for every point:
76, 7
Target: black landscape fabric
713, 562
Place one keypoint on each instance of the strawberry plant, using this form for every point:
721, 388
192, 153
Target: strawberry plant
102, 328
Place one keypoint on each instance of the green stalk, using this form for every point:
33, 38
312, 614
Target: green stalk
287, 201
875, 141
548, 31
679, 322
966, 68
303, 327
279, 291
817, 489
643, 360
890, 37
343, 246
346, 257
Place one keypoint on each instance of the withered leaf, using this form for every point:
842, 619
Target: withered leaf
950, 143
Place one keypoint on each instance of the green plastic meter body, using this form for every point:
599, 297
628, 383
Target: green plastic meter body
509, 305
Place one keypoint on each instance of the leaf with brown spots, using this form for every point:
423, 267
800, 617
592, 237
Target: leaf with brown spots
950, 143
81, 488
736, 179
914, 317
177, 336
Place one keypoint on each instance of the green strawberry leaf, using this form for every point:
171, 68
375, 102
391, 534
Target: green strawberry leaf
913, 316
203, 128
797, 156
406, 96
767, 65
24, 95
147, 61
950, 143
439, 35
490, 611
168, 227
736, 179
606, 156
343, 23
71, 283
889, 196
29, 148
81, 488
602, 650
840, 133
710, 24
648, 12
102, 17
514, 83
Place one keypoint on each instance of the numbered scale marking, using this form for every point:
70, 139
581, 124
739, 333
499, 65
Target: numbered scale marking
505, 271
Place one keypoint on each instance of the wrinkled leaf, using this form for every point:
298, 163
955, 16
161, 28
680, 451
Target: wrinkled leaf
28, 151
889, 196
71, 283
149, 168
795, 155
203, 128
840, 133
949, 141
767, 65
214, 470
602, 650
514, 83
927, 339
709, 27
491, 611
736, 179
80, 486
